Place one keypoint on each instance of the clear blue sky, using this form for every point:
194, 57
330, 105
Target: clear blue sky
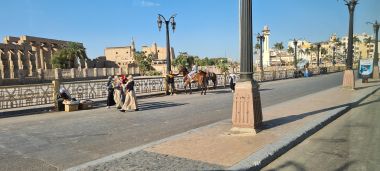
204, 27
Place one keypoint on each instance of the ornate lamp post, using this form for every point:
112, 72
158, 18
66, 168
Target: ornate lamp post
376, 26
171, 22
295, 42
246, 111
333, 55
261, 38
349, 77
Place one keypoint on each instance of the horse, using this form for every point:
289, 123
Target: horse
200, 78
213, 77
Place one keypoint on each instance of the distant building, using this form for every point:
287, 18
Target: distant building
124, 56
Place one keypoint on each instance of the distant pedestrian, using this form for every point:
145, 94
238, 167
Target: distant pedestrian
110, 91
170, 79
232, 82
130, 96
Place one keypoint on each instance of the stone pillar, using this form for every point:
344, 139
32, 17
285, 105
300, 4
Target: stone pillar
349, 79
286, 73
56, 87
19, 59
376, 72
35, 51
11, 65
40, 74
274, 75
1, 77
105, 72
28, 63
246, 111
72, 72
95, 72
58, 74
42, 58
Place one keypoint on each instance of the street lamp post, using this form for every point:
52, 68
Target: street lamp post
261, 38
318, 52
295, 42
333, 55
349, 76
171, 22
376, 26
246, 109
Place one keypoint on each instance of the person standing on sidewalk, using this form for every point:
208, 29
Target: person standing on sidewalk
130, 96
117, 92
110, 91
232, 82
170, 79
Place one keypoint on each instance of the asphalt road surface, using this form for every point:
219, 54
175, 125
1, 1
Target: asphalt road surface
349, 143
63, 140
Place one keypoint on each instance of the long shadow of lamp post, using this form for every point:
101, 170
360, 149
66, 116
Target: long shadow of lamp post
161, 19
260, 39
376, 26
246, 109
349, 76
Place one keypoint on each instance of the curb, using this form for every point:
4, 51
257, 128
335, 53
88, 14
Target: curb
269, 153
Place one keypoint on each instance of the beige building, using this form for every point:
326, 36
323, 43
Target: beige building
28, 54
124, 56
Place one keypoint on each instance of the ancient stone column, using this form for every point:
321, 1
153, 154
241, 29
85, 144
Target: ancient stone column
11, 65
85, 72
36, 51
42, 58
246, 111
21, 76
40, 74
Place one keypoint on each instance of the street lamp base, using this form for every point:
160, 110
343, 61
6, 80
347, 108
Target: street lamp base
246, 110
376, 72
349, 79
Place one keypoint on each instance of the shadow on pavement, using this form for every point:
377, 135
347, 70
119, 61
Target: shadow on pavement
294, 165
158, 105
359, 88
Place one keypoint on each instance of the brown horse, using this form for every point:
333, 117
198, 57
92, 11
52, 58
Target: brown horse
213, 77
200, 78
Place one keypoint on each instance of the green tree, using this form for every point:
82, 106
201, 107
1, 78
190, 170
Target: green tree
143, 61
279, 46
290, 50
75, 51
60, 59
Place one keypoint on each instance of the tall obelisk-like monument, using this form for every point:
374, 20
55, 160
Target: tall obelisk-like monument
266, 53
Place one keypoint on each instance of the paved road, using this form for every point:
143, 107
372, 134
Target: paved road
62, 140
350, 143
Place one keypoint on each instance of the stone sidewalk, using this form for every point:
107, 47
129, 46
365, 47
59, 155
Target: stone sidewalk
214, 147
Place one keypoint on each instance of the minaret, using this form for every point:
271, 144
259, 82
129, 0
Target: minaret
133, 45
266, 50
155, 50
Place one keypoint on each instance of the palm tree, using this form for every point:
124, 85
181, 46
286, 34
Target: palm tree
356, 40
75, 51
290, 50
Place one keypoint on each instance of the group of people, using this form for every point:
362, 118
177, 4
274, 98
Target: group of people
121, 93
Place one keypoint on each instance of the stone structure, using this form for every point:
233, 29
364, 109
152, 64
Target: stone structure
266, 48
27, 54
123, 57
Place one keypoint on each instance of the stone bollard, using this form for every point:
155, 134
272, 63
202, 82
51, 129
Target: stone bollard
21, 76
40, 74
105, 74
85, 72
58, 74
95, 72
113, 71
274, 74
1, 78
56, 87
72, 72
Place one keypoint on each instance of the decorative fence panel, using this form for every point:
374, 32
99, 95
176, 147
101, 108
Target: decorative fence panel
22, 96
